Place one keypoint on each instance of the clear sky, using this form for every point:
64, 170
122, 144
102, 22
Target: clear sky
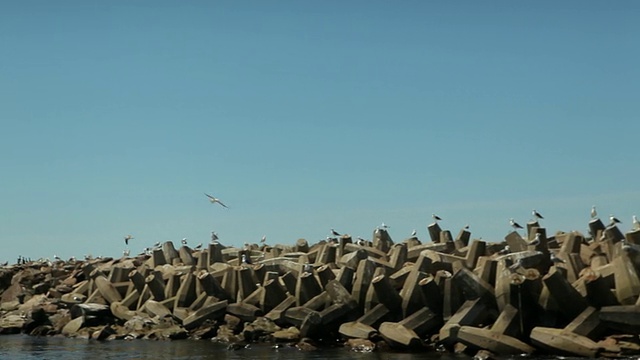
303, 116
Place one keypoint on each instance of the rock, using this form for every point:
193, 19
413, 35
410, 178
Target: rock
43, 330
207, 330
226, 335
138, 324
288, 334
306, 345
103, 333
12, 324
10, 305
259, 328
360, 345
73, 326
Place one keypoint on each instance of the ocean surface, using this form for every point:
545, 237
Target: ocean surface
21, 347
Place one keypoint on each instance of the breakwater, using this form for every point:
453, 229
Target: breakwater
565, 293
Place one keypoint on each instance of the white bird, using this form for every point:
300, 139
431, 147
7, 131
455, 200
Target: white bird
184, 241
536, 214
264, 239
614, 220
127, 238
198, 247
57, 257
157, 245
361, 241
436, 217
514, 224
555, 259
466, 227
536, 241
214, 200
335, 233
126, 252
594, 213
636, 223
214, 237
414, 233
385, 226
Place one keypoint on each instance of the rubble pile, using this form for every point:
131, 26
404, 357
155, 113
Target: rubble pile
561, 294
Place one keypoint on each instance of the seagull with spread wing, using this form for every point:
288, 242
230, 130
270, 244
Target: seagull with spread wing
214, 200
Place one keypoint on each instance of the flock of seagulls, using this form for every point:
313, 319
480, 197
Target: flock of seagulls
515, 225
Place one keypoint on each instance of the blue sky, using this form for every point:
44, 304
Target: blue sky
303, 116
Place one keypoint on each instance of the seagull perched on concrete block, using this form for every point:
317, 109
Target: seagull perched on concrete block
594, 213
414, 233
614, 220
436, 217
636, 224
536, 215
535, 241
334, 233
514, 224
214, 200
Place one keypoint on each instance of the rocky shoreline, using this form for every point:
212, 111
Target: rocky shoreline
561, 294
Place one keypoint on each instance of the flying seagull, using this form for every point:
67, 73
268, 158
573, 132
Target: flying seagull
594, 213
215, 200
514, 224
436, 217
127, 238
614, 220
536, 214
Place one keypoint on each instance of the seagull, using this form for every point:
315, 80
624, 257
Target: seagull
57, 257
515, 266
335, 233
505, 250
466, 227
127, 238
614, 220
125, 253
536, 214
636, 223
556, 260
385, 226
157, 245
215, 200
184, 241
264, 239
361, 241
594, 213
414, 233
536, 241
198, 247
436, 217
214, 237
514, 224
